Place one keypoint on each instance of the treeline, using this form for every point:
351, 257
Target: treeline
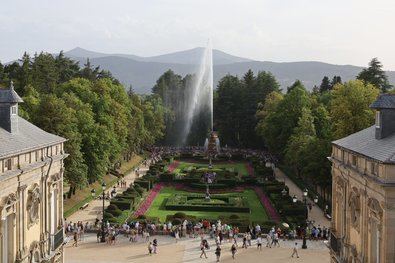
299, 126
102, 122
236, 102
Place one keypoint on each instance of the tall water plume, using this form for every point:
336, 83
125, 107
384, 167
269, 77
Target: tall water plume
199, 97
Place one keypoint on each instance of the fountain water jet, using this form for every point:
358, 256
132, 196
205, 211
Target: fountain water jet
201, 94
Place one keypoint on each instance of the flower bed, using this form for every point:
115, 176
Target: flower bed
148, 200
267, 204
250, 169
173, 166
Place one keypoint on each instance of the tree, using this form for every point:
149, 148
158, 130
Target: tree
278, 125
325, 85
303, 135
44, 74
228, 110
375, 75
54, 116
349, 107
336, 80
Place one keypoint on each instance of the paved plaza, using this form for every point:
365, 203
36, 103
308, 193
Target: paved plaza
187, 250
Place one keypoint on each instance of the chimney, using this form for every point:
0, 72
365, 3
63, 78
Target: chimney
385, 115
9, 100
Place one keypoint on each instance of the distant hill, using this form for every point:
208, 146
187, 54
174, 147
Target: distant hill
142, 72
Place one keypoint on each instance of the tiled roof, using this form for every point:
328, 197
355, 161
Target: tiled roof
365, 143
384, 101
9, 96
28, 137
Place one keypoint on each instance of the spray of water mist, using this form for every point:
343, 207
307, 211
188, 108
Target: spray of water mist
200, 96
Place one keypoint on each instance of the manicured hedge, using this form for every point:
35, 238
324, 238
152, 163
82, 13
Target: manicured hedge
142, 183
212, 186
122, 204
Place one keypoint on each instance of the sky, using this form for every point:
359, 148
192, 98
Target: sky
333, 31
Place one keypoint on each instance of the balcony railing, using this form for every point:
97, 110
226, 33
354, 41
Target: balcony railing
335, 244
57, 239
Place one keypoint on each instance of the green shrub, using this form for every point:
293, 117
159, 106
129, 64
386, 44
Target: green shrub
141, 184
234, 217
141, 217
115, 213
176, 221
122, 204
107, 215
139, 189
112, 207
166, 177
180, 215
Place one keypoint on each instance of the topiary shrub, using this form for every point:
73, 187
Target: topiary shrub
115, 213
180, 215
176, 221
112, 207
234, 217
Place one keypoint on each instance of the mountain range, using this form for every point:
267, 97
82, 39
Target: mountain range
142, 72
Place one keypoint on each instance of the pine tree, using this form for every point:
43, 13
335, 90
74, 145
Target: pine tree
325, 85
375, 75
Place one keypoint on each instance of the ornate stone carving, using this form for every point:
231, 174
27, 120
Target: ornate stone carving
56, 177
33, 205
35, 255
375, 208
10, 200
354, 203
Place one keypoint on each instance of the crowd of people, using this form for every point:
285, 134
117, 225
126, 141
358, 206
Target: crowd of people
141, 231
157, 153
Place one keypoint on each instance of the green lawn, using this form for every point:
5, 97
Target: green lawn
258, 213
238, 167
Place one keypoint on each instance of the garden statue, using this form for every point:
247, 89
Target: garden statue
211, 146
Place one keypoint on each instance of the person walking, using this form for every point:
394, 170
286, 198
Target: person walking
155, 245
233, 249
75, 237
177, 236
244, 242
218, 252
150, 248
268, 241
259, 242
295, 250
203, 247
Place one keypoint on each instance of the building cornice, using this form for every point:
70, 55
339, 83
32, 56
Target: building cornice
378, 180
31, 167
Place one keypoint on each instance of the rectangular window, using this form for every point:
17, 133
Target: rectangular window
14, 110
374, 168
354, 160
7, 164
378, 122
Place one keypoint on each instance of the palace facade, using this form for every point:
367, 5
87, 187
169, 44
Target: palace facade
363, 191
31, 181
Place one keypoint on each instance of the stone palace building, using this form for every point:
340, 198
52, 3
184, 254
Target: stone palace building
363, 191
31, 181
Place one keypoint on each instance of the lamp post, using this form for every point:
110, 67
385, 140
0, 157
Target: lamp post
294, 199
103, 235
315, 199
305, 193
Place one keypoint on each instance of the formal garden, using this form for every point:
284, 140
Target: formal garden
243, 192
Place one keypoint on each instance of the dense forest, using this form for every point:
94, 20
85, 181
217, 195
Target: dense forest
101, 121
